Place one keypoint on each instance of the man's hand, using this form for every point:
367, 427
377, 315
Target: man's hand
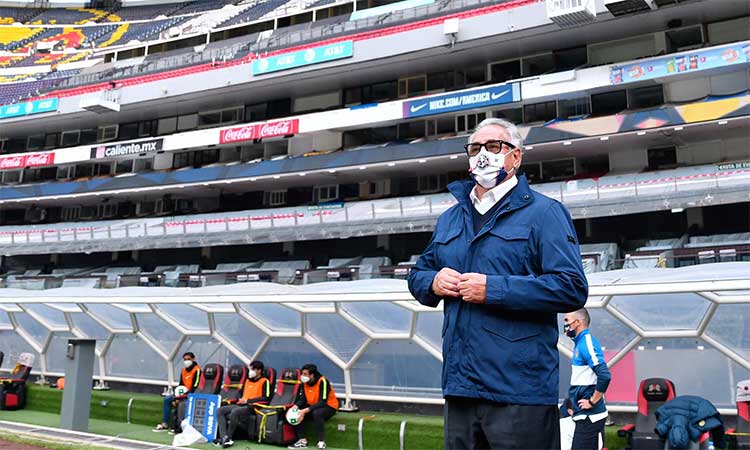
301, 415
473, 287
445, 283
242, 401
584, 403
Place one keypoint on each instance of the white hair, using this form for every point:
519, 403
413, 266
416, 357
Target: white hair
512, 129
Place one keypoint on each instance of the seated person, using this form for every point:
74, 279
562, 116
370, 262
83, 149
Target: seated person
189, 377
257, 389
317, 399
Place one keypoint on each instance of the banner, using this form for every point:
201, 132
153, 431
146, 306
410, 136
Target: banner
29, 108
314, 55
30, 160
734, 166
126, 149
201, 413
682, 63
457, 101
259, 131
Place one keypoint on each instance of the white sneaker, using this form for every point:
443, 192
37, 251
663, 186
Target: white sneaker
302, 443
321, 445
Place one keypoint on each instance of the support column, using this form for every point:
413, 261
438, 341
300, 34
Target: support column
79, 372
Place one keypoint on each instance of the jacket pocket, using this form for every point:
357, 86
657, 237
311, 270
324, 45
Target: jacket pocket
449, 249
506, 250
511, 232
509, 330
447, 235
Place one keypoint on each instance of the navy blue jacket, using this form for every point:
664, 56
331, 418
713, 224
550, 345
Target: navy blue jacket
504, 350
683, 419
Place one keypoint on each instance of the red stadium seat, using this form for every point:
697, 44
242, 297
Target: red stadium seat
652, 393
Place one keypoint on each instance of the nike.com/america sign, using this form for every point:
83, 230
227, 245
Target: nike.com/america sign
457, 101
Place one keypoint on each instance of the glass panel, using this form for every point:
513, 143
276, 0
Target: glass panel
13, 346
295, 352
240, 332
276, 317
396, 368
663, 311
207, 350
382, 317
52, 316
114, 317
4, 320
188, 317
35, 329
90, 328
729, 326
56, 352
164, 335
129, 356
338, 335
429, 327
612, 335
713, 376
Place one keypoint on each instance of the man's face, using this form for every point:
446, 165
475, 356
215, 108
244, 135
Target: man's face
306, 373
571, 321
497, 132
187, 358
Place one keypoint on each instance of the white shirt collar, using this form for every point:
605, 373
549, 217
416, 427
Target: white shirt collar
494, 195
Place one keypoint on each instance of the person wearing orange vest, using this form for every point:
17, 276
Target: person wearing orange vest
317, 399
189, 377
257, 389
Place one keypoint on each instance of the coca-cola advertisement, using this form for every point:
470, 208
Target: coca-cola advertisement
246, 133
259, 131
12, 162
21, 161
40, 159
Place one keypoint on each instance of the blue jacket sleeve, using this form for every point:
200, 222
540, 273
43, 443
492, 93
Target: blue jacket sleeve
592, 351
422, 274
560, 286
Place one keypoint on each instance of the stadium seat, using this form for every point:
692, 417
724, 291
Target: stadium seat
272, 426
13, 388
234, 381
270, 373
652, 393
212, 377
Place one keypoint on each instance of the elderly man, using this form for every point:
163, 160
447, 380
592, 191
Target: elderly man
505, 261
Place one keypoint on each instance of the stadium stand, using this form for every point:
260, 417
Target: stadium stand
67, 16
20, 15
254, 13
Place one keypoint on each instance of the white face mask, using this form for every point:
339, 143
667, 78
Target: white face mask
304, 379
187, 363
252, 373
488, 169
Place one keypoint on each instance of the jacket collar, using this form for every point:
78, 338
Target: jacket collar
519, 196
582, 334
